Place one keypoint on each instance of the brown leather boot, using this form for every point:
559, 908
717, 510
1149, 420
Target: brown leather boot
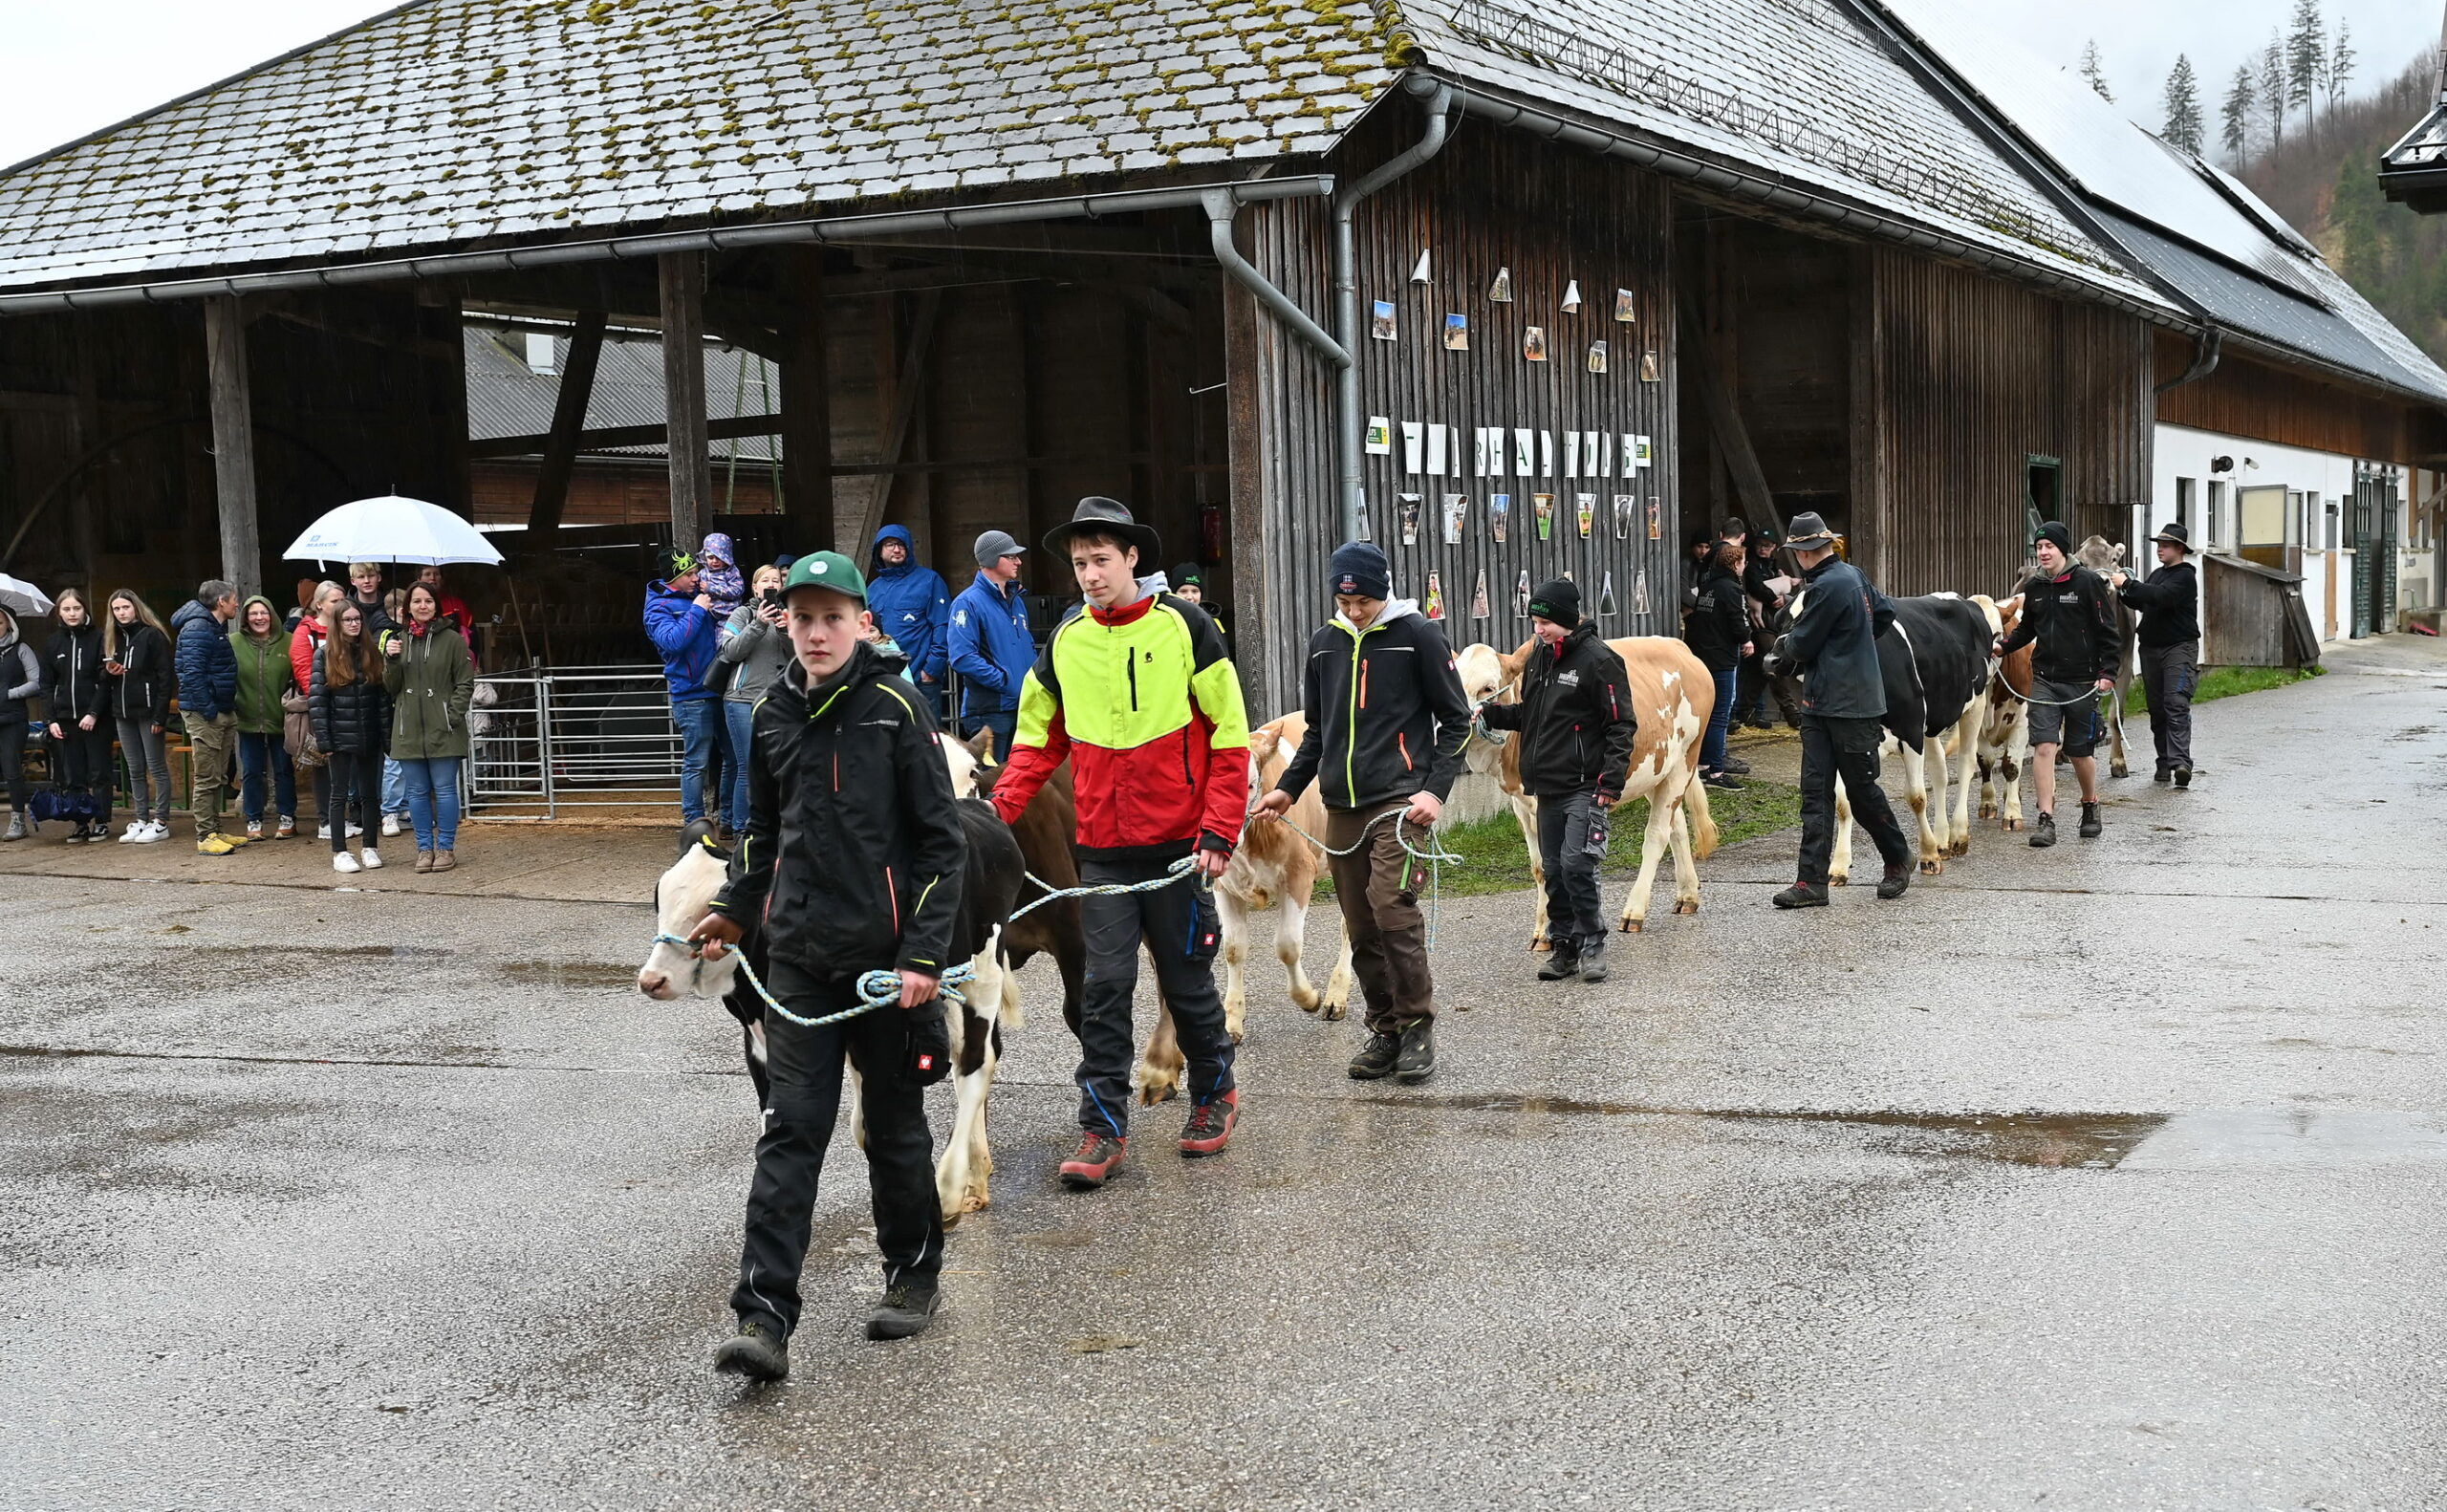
444, 861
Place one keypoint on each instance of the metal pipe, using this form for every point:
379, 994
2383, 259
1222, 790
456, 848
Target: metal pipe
834, 228
1220, 207
2205, 349
1348, 421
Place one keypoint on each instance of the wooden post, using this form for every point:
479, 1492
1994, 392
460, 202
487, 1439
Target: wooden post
682, 276
909, 389
234, 442
569, 421
807, 403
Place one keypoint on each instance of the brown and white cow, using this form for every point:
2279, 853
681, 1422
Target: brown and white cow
2004, 730
2100, 557
1673, 697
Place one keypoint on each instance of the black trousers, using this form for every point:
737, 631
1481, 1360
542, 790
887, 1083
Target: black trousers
1849, 747
805, 1067
1180, 926
357, 779
2168, 676
13, 762
85, 762
1569, 854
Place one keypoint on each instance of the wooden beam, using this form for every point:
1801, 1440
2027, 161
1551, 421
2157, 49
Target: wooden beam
613, 438
682, 284
807, 399
910, 389
1725, 421
234, 442
569, 423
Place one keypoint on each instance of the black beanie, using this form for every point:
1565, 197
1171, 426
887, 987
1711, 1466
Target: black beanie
1360, 568
1558, 600
2054, 530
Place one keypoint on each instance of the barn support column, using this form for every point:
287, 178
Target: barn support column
234, 442
908, 393
807, 403
569, 421
682, 279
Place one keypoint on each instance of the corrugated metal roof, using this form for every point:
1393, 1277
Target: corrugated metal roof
453, 120
1797, 88
507, 398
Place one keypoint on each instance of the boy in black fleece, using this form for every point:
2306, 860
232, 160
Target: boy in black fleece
853, 857
1387, 720
2065, 610
1577, 733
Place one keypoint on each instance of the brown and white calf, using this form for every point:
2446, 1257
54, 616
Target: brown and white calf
2100, 557
1673, 696
2004, 730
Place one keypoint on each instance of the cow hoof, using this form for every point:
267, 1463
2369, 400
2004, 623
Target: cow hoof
2119, 772
1691, 907
1988, 810
1632, 926
1932, 868
1539, 942
2013, 824
1959, 848
1334, 1011
1839, 879
1308, 1001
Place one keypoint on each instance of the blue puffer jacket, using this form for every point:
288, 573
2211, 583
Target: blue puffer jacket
688, 639
991, 648
207, 668
912, 605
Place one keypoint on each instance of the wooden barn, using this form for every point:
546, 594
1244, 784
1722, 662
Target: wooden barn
1515, 293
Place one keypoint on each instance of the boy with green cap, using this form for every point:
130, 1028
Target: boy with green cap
851, 857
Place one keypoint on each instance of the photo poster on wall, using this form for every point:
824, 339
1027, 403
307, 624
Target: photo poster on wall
1413, 445
1434, 609
1521, 595
1598, 356
1381, 436
1533, 343
1626, 311
1524, 452
1544, 505
1457, 514
1480, 608
1500, 514
1437, 438
1648, 367
1360, 505
1501, 291
1639, 593
1456, 333
1381, 320
1606, 595
1411, 503
1655, 521
1627, 510
1585, 512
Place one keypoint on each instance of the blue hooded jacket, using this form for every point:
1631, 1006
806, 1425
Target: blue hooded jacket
689, 640
991, 645
911, 603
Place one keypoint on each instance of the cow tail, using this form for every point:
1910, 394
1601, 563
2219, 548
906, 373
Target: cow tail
1703, 823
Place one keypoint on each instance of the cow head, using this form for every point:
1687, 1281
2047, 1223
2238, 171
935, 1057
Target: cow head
682, 897
1989, 613
960, 759
2096, 553
1488, 674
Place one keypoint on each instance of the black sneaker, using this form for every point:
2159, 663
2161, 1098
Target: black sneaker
1897, 879
1736, 766
1376, 1059
1803, 895
1097, 1158
2183, 776
2164, 776
1563, 965
1759, 722
1417, 1062
1593, 960
1722, 781
906, 1309
759, 1351
2090, 826
2043, 831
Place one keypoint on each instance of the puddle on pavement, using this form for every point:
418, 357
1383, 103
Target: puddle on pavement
572, 974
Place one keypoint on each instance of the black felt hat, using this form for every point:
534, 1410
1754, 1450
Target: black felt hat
1103, 516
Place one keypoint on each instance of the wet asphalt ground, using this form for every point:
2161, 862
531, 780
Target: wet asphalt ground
2110, 1176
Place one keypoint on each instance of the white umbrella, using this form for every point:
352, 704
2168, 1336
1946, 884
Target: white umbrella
21, 597
392, 529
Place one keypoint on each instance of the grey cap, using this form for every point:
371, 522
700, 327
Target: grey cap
994, 546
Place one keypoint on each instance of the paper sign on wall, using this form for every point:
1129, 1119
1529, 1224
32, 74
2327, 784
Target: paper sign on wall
1435, 606
1499, 514
1545, 454
1627, 510
1381, 436
1410, 508
1545, 504
1585, 512
1413, 445
1437, 437
1479, 439
1524, 452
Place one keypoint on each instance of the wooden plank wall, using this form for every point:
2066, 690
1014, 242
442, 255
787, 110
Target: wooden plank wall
2249, 399
1968, 377
1492, 199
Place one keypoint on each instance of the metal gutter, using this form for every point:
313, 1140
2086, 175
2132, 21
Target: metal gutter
826, 230
1219, 208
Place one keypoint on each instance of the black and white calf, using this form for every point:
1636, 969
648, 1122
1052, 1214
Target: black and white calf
1933, 660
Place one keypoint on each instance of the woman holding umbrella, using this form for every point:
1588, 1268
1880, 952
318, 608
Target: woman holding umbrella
431, 679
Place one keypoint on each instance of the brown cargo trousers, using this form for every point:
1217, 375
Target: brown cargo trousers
1377, 888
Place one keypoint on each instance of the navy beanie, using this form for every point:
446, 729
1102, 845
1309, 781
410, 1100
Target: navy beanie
1558, 601
1360, 568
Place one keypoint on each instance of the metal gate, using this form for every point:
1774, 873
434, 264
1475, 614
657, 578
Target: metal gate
2375, 555
546, 740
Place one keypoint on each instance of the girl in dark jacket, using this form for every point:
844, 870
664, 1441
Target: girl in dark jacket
135, 658
1718, 631
73, 688
21, 678
352, 716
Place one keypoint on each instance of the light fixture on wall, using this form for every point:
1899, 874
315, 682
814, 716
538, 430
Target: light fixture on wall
2221, 464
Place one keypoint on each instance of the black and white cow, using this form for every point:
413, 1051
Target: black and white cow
1933, 660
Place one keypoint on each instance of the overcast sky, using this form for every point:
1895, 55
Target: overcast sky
68, 67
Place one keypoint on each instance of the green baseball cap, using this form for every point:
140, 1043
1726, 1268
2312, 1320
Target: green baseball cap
829, 570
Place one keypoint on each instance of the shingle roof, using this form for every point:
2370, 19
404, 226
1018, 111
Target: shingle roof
455, 119
507, 398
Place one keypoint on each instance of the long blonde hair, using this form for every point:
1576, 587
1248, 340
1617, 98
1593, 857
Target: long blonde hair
112, 645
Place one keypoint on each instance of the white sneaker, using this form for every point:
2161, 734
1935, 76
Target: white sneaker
390, 825
323, 831
154, 832
133, 829
354, 830
342, 861
373, 859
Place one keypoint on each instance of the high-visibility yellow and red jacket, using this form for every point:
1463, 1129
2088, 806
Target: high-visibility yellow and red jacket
1145, 704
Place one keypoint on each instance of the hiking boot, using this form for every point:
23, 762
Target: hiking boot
1803, 895
1095, 1161
2164, 774
906, 1309
1721, 781
1593, 960
17, 827
2043, 831
424, 860
1897, 879
1759, 722
1376, 1058
2183, 776
1736, 766
1210, 1124
2090, 826
446, 859
1417, 1062
1563, 965
759, 1351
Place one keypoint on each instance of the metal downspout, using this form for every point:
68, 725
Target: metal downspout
1348, 421
2205, 349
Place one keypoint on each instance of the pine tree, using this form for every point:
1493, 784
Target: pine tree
2340, 69
2236, 113
2093, 72
2272, 88
2183, 106
2307, 51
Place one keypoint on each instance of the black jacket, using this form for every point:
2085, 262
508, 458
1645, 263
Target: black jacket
853, 848
2170, 605
1833, 643
1719, 621
1577, 730
73, 681
355, 718
1387, 715
142, 691
2070, 618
